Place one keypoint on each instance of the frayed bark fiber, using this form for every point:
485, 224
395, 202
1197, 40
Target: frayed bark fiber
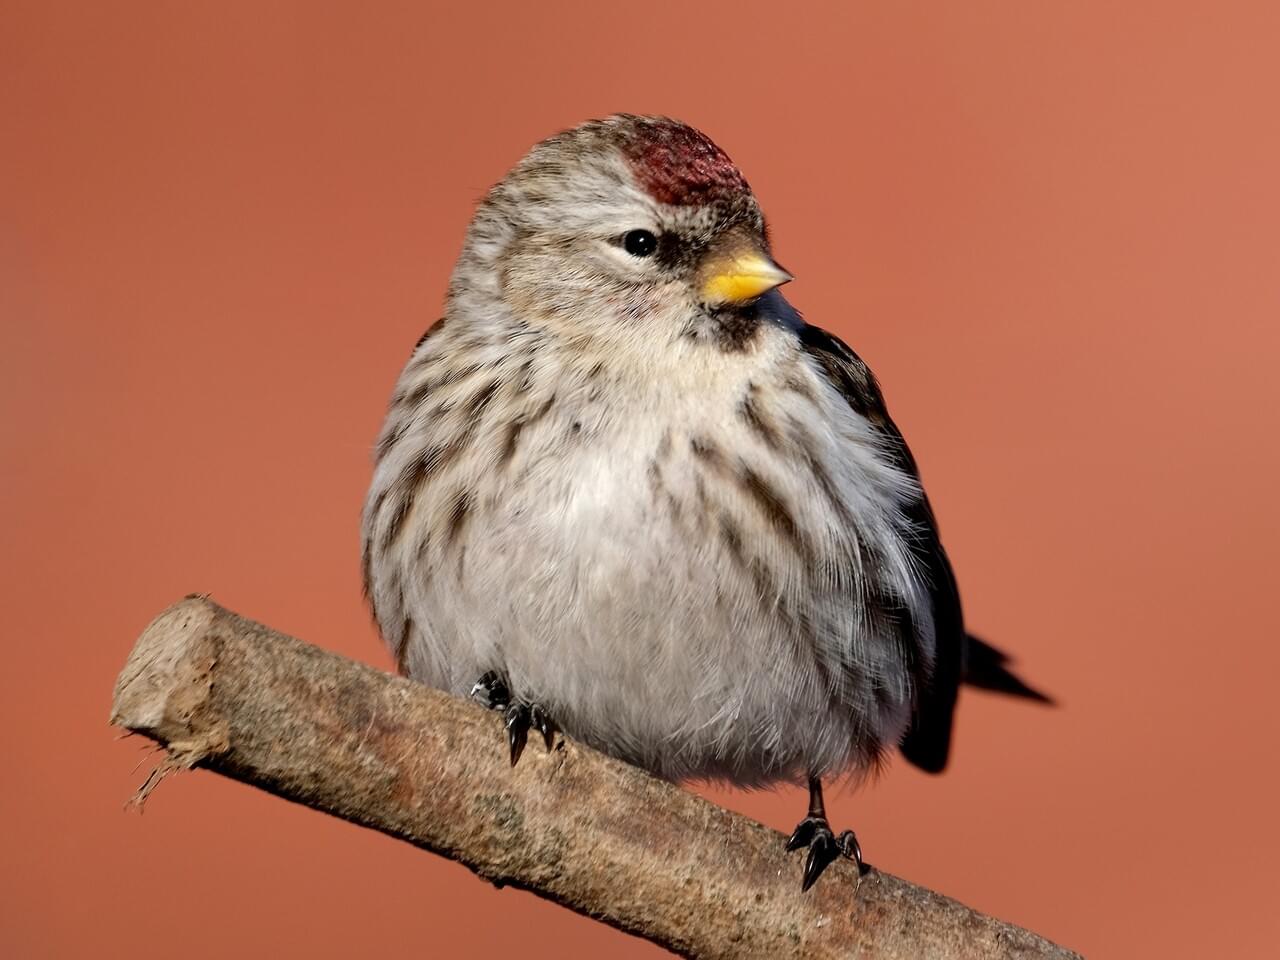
570, 824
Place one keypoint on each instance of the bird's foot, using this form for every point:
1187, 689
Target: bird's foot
824, 846
493, 691
520, 716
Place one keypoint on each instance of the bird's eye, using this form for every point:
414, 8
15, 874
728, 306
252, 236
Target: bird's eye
639, 243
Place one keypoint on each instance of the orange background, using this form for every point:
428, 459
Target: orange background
1052, 228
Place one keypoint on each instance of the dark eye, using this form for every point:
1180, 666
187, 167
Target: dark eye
639, 243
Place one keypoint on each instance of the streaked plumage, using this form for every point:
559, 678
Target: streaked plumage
684, 526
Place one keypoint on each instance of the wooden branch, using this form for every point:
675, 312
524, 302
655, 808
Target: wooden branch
589, 832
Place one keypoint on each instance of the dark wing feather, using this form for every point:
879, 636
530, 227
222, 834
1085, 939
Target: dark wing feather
928, 740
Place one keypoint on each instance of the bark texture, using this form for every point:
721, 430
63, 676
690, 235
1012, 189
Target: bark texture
589, 832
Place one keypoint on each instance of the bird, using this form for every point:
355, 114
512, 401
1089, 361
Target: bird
624, 491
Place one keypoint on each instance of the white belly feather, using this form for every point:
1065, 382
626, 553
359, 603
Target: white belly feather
618, 571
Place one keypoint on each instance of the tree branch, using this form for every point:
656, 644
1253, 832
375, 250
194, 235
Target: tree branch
589, 832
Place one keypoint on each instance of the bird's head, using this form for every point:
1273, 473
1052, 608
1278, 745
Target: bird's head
624, 226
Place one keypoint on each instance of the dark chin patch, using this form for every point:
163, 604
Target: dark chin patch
736, 328
679, 165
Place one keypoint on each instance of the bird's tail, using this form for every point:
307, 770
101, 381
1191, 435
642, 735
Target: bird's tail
987, 668
927, 744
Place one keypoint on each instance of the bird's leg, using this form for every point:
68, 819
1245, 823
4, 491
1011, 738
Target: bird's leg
815, 833
494, 692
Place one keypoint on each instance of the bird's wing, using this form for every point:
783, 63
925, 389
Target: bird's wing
928, 740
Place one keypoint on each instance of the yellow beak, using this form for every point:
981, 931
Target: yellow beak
741, 277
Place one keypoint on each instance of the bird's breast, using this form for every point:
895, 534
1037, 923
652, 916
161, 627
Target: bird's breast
685, 577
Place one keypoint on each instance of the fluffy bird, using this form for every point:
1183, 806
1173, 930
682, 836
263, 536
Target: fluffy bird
625, 490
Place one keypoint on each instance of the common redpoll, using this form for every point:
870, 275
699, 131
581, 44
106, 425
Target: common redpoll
622, 484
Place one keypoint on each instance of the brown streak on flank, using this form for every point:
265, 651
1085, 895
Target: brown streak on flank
401, 652
456, 374
424, 547
450, 376
766, 586
417, 394
403, 391
366, 571
431, 331
800, 383
700, 488
757, 488
525, 375
458, 515
732, 538
391, 437
660, 493
706, 451
395, 526
415, 361
802, 441
512, 440
472, 344
543, 410
704, 502
482, 397
673, 505
415, 473
378, 501
664, 446
798, 627
517, 426
749, 410
773, 507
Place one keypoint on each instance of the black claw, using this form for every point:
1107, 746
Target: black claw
517, 729
804, 832
543, 724
849, 846
822, 851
